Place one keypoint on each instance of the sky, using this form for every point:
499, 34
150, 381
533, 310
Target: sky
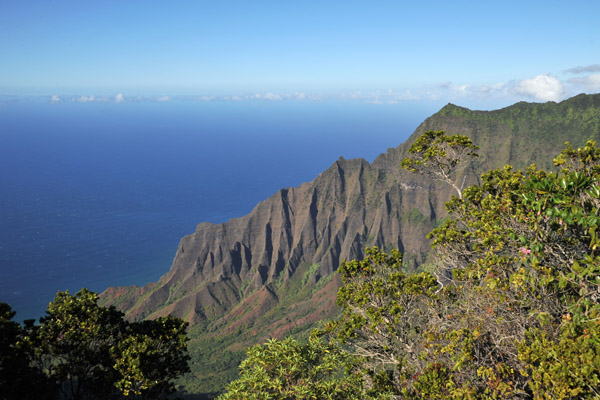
466, 52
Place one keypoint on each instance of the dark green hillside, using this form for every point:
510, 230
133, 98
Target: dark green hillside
271, 273
524, 133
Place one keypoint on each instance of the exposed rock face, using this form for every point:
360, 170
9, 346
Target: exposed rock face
351, 205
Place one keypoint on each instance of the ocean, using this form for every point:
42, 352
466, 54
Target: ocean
99, 194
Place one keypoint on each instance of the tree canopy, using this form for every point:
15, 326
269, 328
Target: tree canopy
288, 369
81, 350
513, 311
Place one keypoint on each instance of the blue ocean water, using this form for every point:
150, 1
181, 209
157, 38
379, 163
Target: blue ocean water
99, 194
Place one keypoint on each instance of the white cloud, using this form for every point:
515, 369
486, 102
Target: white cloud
584, 69
449, 90
388, 96
55, 99
85, 99
119, 98
272, 96
163, 98
542, 87
587, 83
463, 89
489, 89
406, 95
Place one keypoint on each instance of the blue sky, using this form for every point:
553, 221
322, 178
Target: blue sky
466, 52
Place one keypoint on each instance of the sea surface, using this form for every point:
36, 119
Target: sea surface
99, 194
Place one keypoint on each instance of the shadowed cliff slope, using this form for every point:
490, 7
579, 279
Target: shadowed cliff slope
270, 272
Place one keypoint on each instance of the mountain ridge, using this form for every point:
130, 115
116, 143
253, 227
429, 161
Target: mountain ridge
271, 272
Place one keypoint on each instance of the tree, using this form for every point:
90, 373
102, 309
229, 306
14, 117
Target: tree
384, 313
286, 369
525, 251
86, 351
440, 156
151, 357
516, 314
18, 369
77, 335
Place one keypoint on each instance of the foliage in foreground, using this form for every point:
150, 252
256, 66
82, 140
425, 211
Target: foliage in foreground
287, 369
81, 350
511, 312
514, 309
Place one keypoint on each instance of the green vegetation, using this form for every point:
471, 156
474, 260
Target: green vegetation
414, 216
216, 351
511, 312
17, 370
286, 369
309, 273
524, 132
440, 156
81, 350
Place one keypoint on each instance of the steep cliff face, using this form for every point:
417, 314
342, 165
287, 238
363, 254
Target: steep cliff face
349, 206
271, 272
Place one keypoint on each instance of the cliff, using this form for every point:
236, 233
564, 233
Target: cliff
271, 272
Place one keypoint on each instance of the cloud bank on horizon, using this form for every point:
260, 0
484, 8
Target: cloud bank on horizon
539, 88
